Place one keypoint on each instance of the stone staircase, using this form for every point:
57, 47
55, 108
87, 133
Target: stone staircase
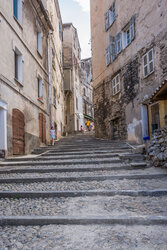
83, 193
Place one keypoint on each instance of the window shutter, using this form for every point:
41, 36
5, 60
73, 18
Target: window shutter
112, 50
113, 11
111, 17
145, 65
15, 8
39, 42
106, 20
42, 89
118, 42
132, 28
108, 56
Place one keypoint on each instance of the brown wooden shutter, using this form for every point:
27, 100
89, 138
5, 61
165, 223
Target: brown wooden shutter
18, 132
42, 128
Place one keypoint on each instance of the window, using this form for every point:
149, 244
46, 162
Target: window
116, 84
60, 31
18, 65
40, 88
129, 33
39, 42
118, 43
53, 58
85, 108
148, 63
108, 61
111, 52
110, 17
114, 48
76, 103
17, 10
54, 95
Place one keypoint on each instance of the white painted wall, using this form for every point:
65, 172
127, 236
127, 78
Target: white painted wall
3, 126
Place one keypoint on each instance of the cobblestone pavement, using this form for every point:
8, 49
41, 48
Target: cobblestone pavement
132, 216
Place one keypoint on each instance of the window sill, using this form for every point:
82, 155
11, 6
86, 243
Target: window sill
40, 100
110, 25
39, 53
148, 75
19, 24
17, 81
114, 95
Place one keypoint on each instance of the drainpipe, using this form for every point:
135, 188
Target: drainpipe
50, 75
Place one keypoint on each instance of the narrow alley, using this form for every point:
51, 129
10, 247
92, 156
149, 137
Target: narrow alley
82, 194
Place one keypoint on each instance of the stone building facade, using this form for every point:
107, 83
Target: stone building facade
56, 67
129, 58
72, 79
26, 76
87, 89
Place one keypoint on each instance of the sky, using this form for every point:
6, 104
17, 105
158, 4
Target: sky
78, 13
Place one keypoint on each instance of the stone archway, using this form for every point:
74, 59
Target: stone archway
18, 132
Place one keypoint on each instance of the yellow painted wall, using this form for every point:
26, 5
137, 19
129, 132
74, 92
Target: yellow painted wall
162, 111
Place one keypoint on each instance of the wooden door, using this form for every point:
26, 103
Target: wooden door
42, 128
116, 126
18, 132
155, 117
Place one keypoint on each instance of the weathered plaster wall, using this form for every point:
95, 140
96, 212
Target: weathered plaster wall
23, 96
72, 51
150, 33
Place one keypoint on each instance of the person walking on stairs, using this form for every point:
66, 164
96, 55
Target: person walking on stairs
52, 135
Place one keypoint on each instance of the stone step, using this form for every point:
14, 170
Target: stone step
95, 147
124, 184
50, 220
92, 152
61, 162
83, 178
132, 157
98, 206
83, 193
94, 237
64, 169
64, 157
79, 174
85, 206
79, 148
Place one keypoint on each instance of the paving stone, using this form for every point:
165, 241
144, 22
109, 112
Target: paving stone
89, 206
89, 237
91, 185
88, 173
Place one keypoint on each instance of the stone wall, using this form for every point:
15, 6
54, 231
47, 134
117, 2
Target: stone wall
157, 149
124, 108
108, 107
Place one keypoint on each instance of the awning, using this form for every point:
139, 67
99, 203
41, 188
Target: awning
160, 93
88, 117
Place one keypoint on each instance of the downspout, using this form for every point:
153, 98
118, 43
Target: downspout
50, 75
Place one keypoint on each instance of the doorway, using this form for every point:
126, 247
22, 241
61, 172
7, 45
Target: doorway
18, 132
155, 117
115, 129
42, 128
